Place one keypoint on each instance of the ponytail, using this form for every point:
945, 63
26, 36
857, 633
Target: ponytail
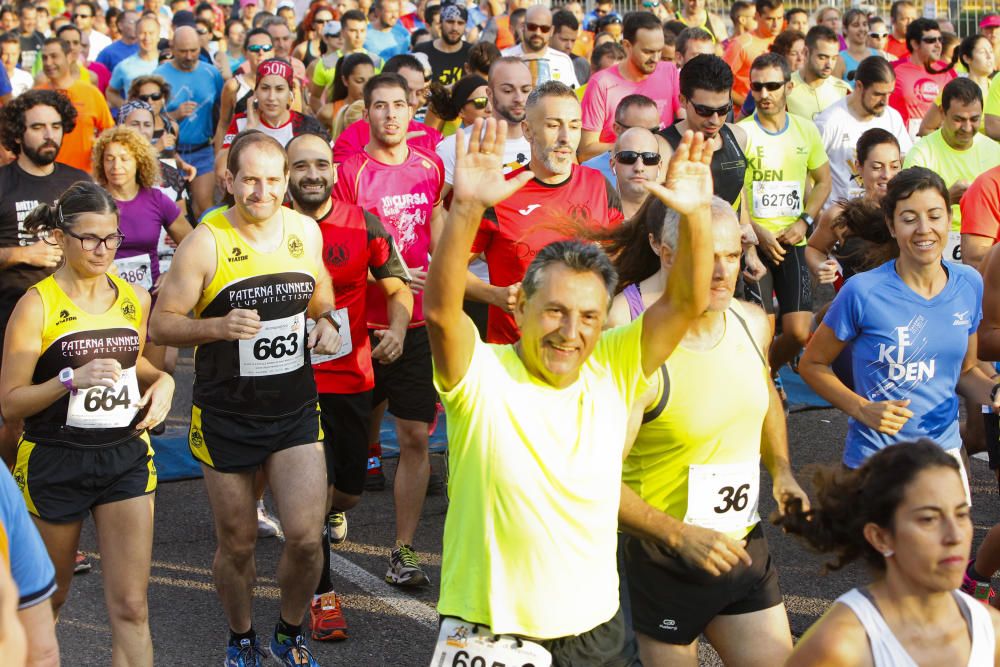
79, 198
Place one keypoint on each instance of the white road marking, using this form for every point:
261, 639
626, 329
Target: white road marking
401, 602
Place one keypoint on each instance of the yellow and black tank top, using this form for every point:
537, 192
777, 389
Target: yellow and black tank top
96, 416
270, 375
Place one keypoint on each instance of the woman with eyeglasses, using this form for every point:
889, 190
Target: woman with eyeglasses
878, 37
309, 40
257, 47
126, 165
73, 370
856, 35
351, 74
449, 110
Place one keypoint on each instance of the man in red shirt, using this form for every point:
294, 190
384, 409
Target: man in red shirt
354, 243
742, 50
980, 217
401, 184
920, 77
902, 13
563, 200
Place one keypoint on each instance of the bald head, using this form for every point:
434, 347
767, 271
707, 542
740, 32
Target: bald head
536, 29
185, 47
636, 139
635, 159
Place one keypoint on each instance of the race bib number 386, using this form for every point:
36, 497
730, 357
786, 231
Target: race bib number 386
279, 347
724, 497
105, 407
462, 644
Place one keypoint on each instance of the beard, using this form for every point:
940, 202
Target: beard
39, 158
310, 199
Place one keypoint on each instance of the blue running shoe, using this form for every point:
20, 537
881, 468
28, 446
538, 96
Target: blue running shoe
247, 654
292, 652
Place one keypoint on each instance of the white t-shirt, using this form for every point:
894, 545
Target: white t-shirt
20, 81
560, 65
98, 40
840, 131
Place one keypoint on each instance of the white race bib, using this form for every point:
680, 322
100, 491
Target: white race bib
953, 247
279, 347
105, 407
724, 497
136, 270
462, 644
340, 315
776, 199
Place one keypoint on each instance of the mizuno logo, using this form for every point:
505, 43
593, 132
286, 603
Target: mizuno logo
528, 209
961, 319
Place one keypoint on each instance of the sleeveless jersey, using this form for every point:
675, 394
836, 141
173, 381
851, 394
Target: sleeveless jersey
268, 376
888, 652
96, 416
706, 25
729, 164
704, 432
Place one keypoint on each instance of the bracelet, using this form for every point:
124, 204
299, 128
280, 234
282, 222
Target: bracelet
993, 393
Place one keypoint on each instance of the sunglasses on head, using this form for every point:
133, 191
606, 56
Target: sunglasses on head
534, 27
707, 111
758, 86
878, 35
931, 40
479, 102
152, 97
630, 157
259, 48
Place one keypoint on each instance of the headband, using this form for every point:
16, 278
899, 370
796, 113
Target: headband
451, 12
133, 105
275, 67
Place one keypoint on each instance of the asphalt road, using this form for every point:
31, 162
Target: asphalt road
388, 626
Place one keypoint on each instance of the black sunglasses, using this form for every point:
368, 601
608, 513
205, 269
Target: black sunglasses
629, 157
152, 97
707, 111
931, 40
535, 27
758, 86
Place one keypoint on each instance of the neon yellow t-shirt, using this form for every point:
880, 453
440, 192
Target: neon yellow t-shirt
778, 166
807, 101
951, 165
534, 489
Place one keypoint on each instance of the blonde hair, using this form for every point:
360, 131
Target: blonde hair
347, 115
147, 164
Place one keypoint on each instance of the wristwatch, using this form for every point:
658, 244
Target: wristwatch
993, 393
808, 219
328, 316
66, 377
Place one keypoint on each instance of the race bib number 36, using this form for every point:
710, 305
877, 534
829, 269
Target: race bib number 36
776, 199
279, 347
105, 407
462, 644
724, 497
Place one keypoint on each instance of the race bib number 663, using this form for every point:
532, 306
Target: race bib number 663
279, 347
462, 644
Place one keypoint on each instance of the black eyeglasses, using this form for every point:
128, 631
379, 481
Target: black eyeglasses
479, 102
535, 27
931, 40
152, 97
91, 243
630, 157
707, 111
758, 86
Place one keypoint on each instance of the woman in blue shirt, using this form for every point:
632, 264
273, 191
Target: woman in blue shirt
912, 325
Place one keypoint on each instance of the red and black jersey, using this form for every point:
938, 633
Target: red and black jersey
354, 243
514, 230
297, 124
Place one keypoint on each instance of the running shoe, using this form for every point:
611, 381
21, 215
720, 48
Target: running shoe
326, 618
81, 565
981, 590
336, 526
247, 654
292, 652
404, 567
267, 525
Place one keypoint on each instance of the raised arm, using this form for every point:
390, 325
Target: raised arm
478, 184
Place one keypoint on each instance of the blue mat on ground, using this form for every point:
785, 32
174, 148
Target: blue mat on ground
799, 393
174, 462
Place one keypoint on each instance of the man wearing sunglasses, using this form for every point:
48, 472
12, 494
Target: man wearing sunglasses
83, 18
535, 32
635, 160
632, 111
921, 76
141, 64
784, 152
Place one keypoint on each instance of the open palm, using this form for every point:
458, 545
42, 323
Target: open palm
688, 185
479, 177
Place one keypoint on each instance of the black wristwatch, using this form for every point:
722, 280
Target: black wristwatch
328, 316
810, 223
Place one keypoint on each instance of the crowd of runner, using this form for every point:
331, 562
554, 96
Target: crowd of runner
560, 228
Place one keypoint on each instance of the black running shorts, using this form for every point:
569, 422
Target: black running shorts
237, 444
62, 484
673, 602
408, 382
789, 281
345, 428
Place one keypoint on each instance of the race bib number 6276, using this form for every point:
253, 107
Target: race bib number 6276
777, 199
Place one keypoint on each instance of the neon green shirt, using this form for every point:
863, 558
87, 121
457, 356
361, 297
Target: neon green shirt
530, 538
778, 166
934, 153
806, 101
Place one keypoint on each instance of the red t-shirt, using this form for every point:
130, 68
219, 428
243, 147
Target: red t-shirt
403, 197
915, 91
354, 243
513, 231
897, 47
981, 206
355, 137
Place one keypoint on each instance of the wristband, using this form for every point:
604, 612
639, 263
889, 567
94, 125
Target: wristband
66, 377
328, 316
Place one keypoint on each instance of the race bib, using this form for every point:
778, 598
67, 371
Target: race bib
279, 347
462, 644
105, 407
136, 270
776, 199
953, 247
724, 497
340, 315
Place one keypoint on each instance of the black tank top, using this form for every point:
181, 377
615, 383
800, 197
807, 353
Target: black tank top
728, 163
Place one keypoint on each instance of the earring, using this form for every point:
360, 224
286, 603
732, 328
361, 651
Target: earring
888, 554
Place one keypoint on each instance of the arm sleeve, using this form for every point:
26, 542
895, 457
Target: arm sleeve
844, 315
5, 87
593, 112
981, 206
168, 208
485, 234
615, 214
817, 154
344, 189
117, 77
231, 133
30, 564
384, 259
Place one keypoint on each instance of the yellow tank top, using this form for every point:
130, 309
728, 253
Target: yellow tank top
270, 375
709, 411
97, 416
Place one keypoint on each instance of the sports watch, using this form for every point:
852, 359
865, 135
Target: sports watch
66, 377
329, 316
810, 223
